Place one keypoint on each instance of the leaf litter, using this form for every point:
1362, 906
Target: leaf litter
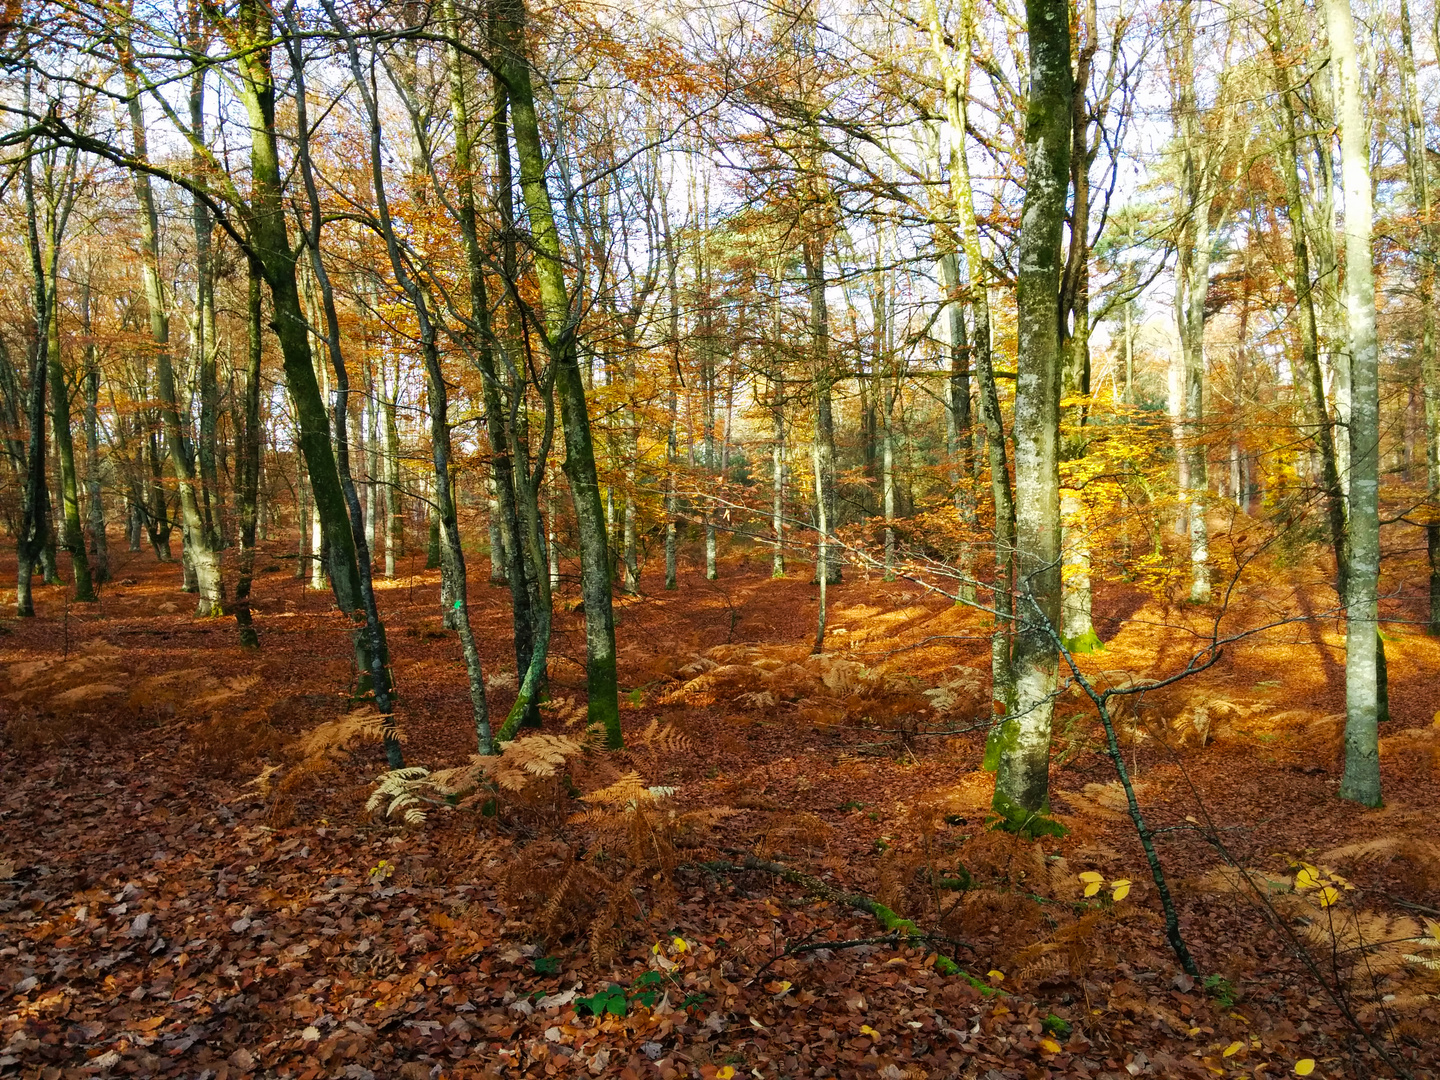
186, 891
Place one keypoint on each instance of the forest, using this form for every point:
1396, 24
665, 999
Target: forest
716, 538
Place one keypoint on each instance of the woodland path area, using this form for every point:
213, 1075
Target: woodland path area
162, 913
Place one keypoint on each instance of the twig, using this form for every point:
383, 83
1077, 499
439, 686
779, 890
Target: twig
1413, 906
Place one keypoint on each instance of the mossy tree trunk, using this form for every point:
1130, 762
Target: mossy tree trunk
1023, 739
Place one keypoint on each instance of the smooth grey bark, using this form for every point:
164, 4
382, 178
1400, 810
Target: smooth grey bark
1360, 781
812, 252
394, 517
1022, 742
1192, 285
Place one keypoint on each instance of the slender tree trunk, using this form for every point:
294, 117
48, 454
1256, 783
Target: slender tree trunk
94, 498
560, 329
1361, 780
1305, 307
1418, 154
35, 503
199, 543
510, 484
777, 473
956, 86
958, 423
1192, 285
206, 346
672, 401
822, 544
249, 462
394, 509
302, 519
813, 257
1077, 629
266, 220
1023, 740
74, 534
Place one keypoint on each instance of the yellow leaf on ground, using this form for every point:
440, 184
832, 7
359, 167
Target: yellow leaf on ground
1050, 1046
1092, 888
725, 1072
1305, 1066
1328, 895
1122, 891
1307, 878
998, 976
1090, 876
1233, 1049
866, 1029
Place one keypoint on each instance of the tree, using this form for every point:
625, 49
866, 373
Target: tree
1361, 780
1022, 741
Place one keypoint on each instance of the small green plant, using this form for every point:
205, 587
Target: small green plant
547, 965
636, 697
1222, 990
1056, 1026
648, 985
610, 1000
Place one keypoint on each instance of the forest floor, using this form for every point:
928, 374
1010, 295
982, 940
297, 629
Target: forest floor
188, 888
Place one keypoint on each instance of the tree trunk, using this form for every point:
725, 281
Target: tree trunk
94, 497
956, 85
199, 543
560, 329
812, 253
1192, 285
34, 527
1023, 740
1361, 779
74, 534
248, 488
1305, 307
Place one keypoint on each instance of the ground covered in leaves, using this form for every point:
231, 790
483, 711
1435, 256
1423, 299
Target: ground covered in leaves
191, 884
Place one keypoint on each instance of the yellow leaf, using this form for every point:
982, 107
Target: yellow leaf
998, 976
1090, 876
1307, 878
1050, 1046
679, 944
866, 1029
1122, 891
1233, 1049
1305, 1066
1327, 896
1092, 888
1193, 1032
725, 1072
783, 987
